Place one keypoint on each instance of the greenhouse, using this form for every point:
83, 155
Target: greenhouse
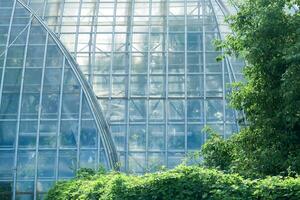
122, 84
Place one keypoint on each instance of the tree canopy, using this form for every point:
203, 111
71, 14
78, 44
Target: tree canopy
267, 35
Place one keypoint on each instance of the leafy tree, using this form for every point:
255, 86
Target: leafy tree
267, 35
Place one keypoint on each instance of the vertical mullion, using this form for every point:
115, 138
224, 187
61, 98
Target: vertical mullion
166, 42
185, 77
79, 129
91, 71
205, 103
19, 107
39, 119
59, 119
112, 61
112, 52
127, 95
148, 83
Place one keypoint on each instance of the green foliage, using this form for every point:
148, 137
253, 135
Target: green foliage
267, 35
217, 153
184, 182
85, 173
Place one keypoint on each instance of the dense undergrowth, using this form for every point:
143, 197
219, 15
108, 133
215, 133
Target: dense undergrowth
188, 183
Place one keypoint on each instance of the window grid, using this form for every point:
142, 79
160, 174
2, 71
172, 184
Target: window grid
23, 147
180, 33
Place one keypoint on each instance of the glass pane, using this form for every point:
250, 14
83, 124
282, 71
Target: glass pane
67, 164
137, 110
28, 132
88, 134
195, 110
214, 110
156, 110
176, 110
69, 133
156, 137
137, 137
46, 164
137, 162
176, 137
195, 85
7, 164
26, 164
7, 134
118, 132
195, 137
48, 134
88, 159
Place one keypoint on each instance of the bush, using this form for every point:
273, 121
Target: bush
184, 182
217, 153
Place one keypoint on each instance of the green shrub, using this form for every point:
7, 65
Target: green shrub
188, 183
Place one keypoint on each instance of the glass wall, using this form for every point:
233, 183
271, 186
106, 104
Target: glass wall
49, 124
152, 65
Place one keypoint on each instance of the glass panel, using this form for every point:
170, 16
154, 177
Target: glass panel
86, 111
117, 111
176, 42
195, 85
12, 80
7, 134
195, 137
214, 110
46, 164
156, 110
6, 189
176, 137
194, 42
54, 56
32, 80
101, 86
30, 105
195, 62
176, 110
156, 137
7, 165
157, 86
88, 159
48, 134
176, 86
28, 132
26, 164
15, 55
35, 55
157, 63
155, 161
118, 132
195, 110
175, 159
138, 85
137, 137
88, 134
137, 110
214, 85
137, 162
118, 86
67, 163
139, 62
176, 62
211, 62
69, 133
